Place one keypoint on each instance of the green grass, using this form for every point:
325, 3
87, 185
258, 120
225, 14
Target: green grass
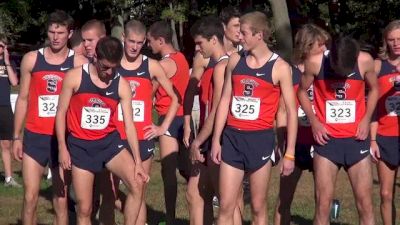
302, 208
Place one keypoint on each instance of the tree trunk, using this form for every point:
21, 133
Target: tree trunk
174, 36
283, 30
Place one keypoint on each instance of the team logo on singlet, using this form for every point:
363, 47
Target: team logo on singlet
340, 89
396, 82
249, 85
52, 81
134, 85
96, 102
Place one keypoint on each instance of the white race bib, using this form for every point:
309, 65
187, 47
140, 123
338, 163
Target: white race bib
392, 105
138, 111
47, 105
340, 111
95, 118
245, 108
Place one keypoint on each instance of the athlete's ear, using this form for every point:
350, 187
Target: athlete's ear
223, 24
214, 39
70, 33
161, 40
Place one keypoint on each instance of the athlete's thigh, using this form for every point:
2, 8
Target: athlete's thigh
82, 181
386, 175
230, 182
122, 165
259, 180
32, 173
360, 175
325, 172
168, 145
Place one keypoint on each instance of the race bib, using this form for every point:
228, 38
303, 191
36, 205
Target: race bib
245, 108
340, 111
392, 105
95, 118
138, 111
302, 117
47, 105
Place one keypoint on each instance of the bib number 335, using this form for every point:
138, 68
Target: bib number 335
95, 118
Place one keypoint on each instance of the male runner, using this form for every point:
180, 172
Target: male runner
341, 123
42, 74
176, 68
88, 102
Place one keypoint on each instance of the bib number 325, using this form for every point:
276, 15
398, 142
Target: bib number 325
245, 108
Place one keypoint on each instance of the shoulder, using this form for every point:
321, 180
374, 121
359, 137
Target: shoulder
80, 60
281, 64
233, 59
29, 59
365, 61
221, 65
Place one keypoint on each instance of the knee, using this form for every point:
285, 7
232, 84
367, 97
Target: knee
258, 206
135, 187
193, 196
84, 210
60, 203
226, 207
386, 196
30, 199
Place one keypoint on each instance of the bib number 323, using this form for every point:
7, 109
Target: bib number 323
95, 118
245, 108
340, 111
48, 105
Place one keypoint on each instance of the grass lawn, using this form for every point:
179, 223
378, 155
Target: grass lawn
302, 208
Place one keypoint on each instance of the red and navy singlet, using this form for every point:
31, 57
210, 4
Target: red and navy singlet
91, 109
207, 89
142, 103
255, 98
304, 133
180, 81
45, 86
388, 107
339, 102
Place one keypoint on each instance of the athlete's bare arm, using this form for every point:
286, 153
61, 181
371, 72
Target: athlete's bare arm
223, 108
367, 69
125, 95
207, 128
28, 61
70, 85
312, 66
157, 73
12, 75
281, 73
198, 68
374, 123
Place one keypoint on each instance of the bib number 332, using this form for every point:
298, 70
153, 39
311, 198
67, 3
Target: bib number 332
95, 118
245, 108
340, 111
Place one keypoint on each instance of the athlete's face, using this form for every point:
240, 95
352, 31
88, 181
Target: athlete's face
90, 38
58, 36
105, 68
247, 38
393, 42
232, 30
153, 43
133, 43
317, 47
204, 46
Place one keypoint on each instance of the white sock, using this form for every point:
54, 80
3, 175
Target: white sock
7, 179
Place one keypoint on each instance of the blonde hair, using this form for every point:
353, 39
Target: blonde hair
135, 26
258, 23
304, 40
384, 50
95, 24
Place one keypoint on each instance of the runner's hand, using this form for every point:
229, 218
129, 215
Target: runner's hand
17, 150
287, 167
195, 154
64, 159
375, 152
216, 153
141, 174
153, 131
320, 133
363, 129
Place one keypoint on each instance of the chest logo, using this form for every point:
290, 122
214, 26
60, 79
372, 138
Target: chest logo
52, 82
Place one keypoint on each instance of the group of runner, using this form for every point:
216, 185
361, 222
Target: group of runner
89, 111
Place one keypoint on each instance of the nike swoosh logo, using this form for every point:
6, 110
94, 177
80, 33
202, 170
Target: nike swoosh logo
265, 157
109, 93
120, 146
350, 75
64, 68
140, 73
150, 149
364, 151
260, 74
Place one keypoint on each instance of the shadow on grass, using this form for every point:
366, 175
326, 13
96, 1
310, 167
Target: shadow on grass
296, 219
19, 222
154, 217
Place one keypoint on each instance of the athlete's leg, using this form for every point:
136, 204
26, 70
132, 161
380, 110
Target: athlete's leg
259, 180
169, 163
106, 184
143, 210
32, 173
123, 166
60, 181
82, 181
287, 188
360, 175
387, 175
229, 186
325, 173
5, 146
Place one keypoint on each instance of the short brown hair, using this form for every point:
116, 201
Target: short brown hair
95, 24
258, 23
60, 17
